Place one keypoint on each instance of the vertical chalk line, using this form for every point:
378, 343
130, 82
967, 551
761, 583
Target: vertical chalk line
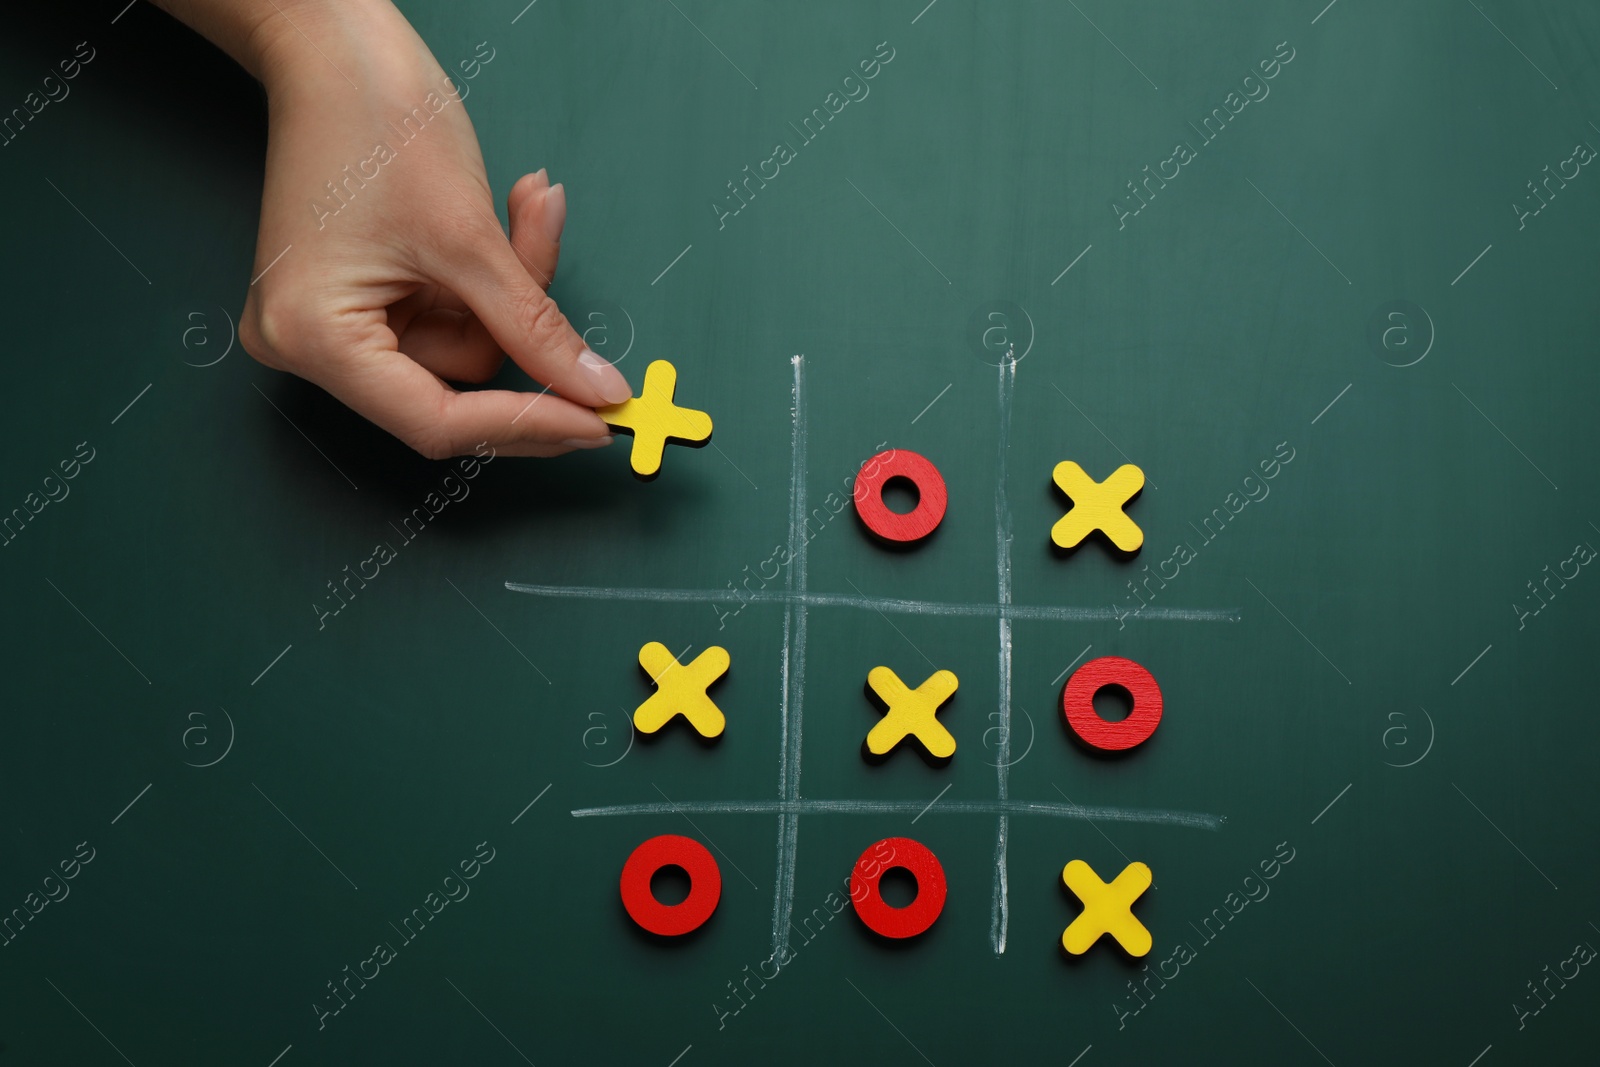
793, 670
1002, 555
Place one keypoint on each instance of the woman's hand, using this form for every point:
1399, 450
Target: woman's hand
381, 270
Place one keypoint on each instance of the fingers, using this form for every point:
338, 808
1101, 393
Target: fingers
538, 213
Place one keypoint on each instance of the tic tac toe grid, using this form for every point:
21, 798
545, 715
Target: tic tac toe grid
797, 598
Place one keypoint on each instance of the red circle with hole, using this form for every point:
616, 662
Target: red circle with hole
705, 885
890, 525
880, 916
1077, 702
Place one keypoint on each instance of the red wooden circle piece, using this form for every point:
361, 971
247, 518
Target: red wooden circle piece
1077, 701
891, 525
705, 885
914, 918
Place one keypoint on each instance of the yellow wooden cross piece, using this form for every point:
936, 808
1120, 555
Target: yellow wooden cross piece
1098, 506
654, 419
911, 712
1107, 909
681, 689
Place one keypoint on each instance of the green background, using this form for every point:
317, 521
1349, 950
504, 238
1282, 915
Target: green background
1221, 321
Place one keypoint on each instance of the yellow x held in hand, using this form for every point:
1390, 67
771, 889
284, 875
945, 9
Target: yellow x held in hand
654, 419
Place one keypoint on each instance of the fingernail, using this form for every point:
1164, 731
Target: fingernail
606, 379
554, 215
541, 180
587, 442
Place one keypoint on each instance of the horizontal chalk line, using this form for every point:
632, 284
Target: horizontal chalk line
1087, 813
886, 604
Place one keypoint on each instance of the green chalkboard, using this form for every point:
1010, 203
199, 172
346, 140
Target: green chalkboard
1324, 273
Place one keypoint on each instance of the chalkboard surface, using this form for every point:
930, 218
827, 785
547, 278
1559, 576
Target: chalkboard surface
1324, 273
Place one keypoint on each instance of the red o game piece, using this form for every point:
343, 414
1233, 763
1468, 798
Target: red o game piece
1077, 701
882, 918
705, 885
891, 525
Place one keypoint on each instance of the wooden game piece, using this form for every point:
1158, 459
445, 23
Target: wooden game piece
1098, 506
681, 690
890, 525
1107, 909
705, 885
912, 713
654, 419
881, 917
1077, 703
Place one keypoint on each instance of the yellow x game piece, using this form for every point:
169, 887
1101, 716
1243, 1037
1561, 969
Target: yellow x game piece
1107, 909
681, 690
1098, 506
911, 713
654, 419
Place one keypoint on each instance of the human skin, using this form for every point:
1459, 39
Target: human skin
413, 284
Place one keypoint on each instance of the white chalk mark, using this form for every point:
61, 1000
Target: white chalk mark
1332, 402
302, 833
891, 605
1114, 44
1331, 803
890, 1021
1324, 11
705, 835
1091, 822
1299, 631
1480, 1056
1074, 263
901, 232
269, 266
1001, 909
1513, 44
674, 263
286, 1048
99, 631
1473, 664
524, 11
143, 391
101, 232
121, 13
1299, 231
1508, 440
1502, 833
490, 1021
131, 803
931, 803
90, 1021
1474, 263
302, 433
502, 633
902, 633
1086, 1048
1073, 664
1153, 816
531, 803
924, 11
932, 402
686, 1049
1097, 429
271, 665
1290, 1021
793, 668
713, 44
